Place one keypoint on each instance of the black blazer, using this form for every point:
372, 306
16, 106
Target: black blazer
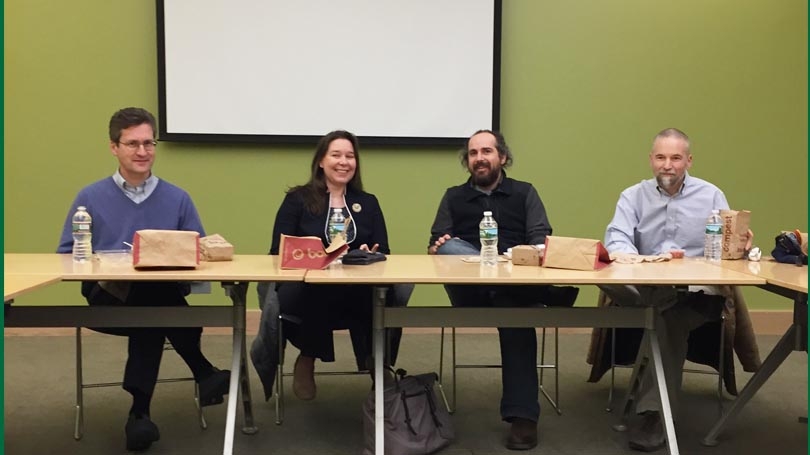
294, 219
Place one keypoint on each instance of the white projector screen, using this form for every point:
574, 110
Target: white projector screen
398, 72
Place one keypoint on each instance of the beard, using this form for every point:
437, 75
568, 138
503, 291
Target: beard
485, 179
668, 182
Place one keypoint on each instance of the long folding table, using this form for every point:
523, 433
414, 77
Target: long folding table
788, 281
425, 269
25, 272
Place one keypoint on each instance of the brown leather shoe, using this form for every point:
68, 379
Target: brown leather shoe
304, 378
648, 436
522, 435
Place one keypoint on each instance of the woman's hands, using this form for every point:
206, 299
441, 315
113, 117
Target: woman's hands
373, 249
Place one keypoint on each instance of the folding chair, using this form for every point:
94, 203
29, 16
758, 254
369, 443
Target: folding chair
542, 366
279, 388
78, 430
719, 372
401, 292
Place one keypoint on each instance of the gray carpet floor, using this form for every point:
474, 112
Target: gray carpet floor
40, 384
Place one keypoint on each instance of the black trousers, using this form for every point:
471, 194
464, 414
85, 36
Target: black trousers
145, 347
321, 308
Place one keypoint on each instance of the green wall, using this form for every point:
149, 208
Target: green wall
585, 86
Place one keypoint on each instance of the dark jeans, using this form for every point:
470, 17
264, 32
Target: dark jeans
518, 351
145, 345
518, 345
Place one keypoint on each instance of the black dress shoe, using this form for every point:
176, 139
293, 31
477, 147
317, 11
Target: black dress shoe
522, 435
214, 387
141, 432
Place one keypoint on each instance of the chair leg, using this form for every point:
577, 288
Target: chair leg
441, 373
720, 367
280, 375
78, 429
441, 355
557, 370
167, 346
200, 414
609, 407
540, 366
454, 365
555, 403
542, 356
720, 364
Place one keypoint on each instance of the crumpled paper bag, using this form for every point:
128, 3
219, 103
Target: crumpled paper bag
214, 247
631, 258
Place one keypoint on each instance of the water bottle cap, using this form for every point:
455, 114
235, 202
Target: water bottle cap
81, 207
487, 213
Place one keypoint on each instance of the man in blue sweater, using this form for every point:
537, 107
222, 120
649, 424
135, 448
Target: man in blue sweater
133, 199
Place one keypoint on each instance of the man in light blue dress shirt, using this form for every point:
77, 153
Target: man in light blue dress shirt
667, 212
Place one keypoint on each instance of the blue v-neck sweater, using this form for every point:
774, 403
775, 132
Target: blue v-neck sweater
116, 217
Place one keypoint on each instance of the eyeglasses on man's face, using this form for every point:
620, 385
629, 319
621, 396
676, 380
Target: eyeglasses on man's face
135, 145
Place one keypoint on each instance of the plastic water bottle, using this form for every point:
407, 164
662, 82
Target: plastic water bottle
488, 230
337, 224
713, 246
82, 236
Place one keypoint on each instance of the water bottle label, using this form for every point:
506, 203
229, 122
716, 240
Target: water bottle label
489, 233
81, 227
336, 229
714, 229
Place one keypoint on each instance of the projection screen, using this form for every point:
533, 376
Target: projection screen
399, 72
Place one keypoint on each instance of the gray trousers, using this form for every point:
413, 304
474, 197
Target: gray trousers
678, 314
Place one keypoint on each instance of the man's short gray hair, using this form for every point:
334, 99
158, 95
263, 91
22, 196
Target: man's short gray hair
676, 133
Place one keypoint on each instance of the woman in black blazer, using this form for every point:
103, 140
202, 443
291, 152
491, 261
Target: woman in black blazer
335, 183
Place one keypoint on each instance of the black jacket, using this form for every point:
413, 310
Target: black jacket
294, 219
515, 205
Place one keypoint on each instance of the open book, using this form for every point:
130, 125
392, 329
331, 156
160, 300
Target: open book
308, 252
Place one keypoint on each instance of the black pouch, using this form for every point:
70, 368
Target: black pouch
788, 249
360, 257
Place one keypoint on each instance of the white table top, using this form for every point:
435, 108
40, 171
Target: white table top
787, 276
452, 270
16, 284
242, 268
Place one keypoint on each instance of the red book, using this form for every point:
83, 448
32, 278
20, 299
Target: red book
308, 252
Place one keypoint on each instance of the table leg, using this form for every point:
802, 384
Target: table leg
248, 426
666, 411
238, 294
775, 358
649, 356
378, 327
